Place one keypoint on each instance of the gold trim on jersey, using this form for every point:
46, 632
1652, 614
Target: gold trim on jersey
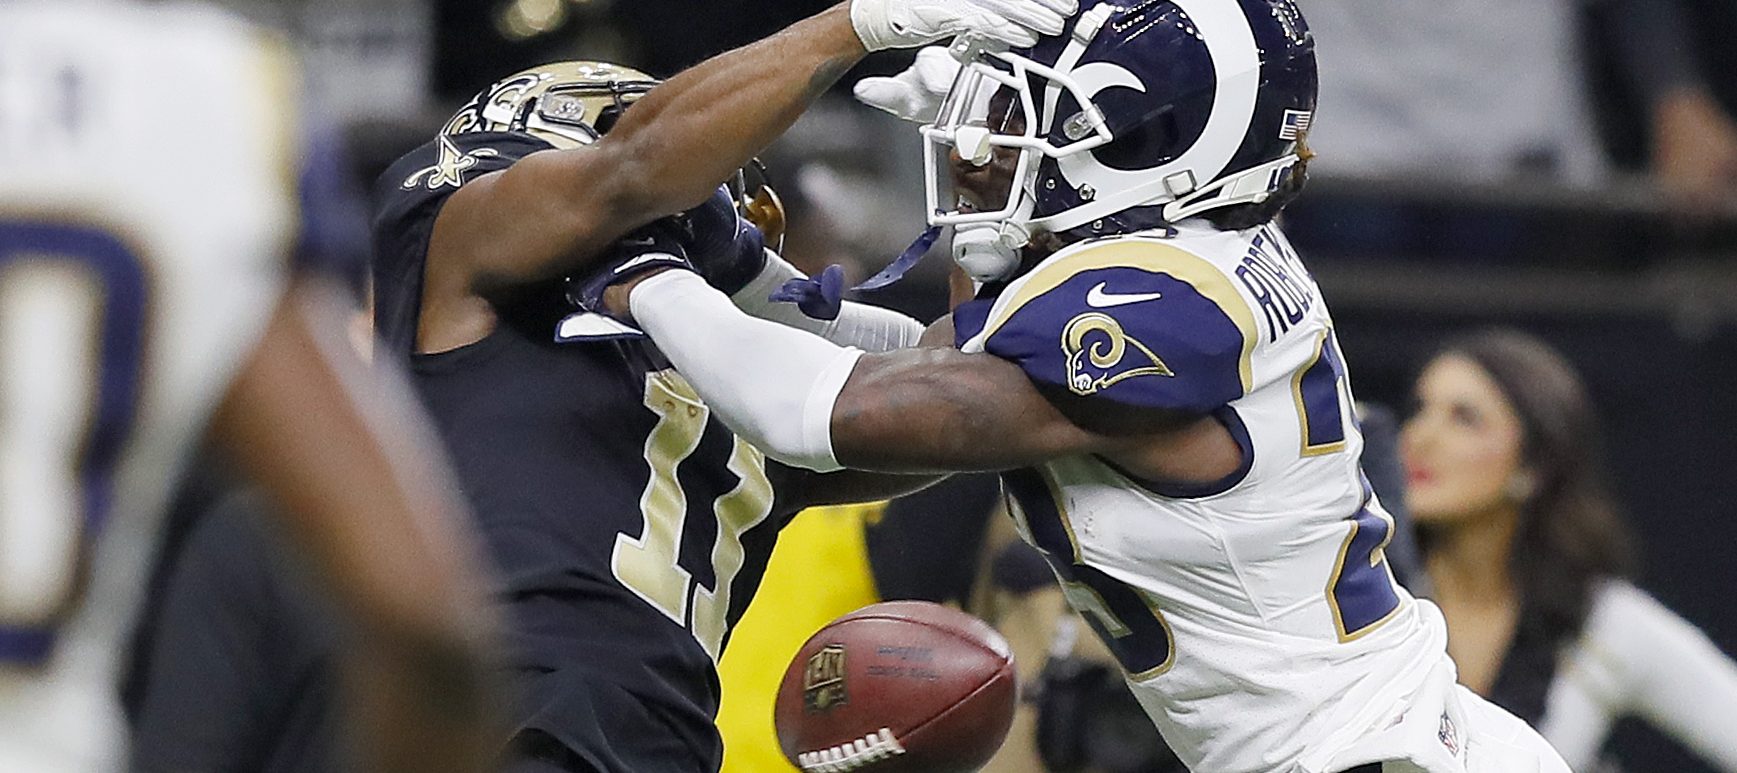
1303, 414
1087, 601
1115, 626
1061, 511
1169, 639
1144, 255
1376, 556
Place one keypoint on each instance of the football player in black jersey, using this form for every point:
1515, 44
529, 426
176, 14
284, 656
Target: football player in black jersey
629, 526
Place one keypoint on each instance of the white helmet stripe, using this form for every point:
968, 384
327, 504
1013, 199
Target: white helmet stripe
1070, 56
1236, 66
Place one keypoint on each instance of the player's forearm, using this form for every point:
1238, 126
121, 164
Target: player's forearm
939, 410
695, 130
772, 385
810, 403
378, 521
869, 328
550, 211
851, 487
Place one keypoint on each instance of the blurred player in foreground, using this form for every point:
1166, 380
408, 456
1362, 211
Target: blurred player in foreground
1527, 556
149, 289
1152, 367
630, 524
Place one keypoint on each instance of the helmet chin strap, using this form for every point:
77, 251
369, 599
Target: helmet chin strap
1250, 186
989, 252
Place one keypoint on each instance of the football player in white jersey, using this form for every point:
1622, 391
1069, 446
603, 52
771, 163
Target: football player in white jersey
1153, 370
150, 288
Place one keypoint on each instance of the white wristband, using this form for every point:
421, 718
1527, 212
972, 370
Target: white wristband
772, 385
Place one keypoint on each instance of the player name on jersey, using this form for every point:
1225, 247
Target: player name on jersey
1277, 282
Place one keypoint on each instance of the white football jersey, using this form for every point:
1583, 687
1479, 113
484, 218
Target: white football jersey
147, 211
1256, 617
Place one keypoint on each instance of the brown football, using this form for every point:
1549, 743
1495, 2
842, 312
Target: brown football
896, 687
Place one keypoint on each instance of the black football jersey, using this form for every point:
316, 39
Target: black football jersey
629, 527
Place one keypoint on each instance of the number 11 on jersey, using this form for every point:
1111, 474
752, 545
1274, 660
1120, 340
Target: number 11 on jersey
650, 565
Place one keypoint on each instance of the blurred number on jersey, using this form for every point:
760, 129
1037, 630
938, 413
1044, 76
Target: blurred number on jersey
72, 317
1126, 618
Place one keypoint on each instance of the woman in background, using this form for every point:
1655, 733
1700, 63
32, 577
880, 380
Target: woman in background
1529, 559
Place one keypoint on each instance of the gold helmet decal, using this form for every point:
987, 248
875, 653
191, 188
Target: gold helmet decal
1098, 354
567, 104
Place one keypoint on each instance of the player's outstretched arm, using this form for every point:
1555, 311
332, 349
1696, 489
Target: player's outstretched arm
812, 404
316, 428
942, 409
540, 217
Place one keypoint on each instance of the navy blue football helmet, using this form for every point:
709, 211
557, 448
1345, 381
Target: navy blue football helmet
1139, 114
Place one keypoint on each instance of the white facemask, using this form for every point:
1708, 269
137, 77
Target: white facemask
989, 252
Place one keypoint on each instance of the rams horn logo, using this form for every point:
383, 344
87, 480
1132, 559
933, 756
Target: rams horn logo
823, 680
450, 169
1093, 367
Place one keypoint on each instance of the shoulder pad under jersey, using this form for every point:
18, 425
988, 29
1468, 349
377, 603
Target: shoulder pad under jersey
1136, 321
407, 198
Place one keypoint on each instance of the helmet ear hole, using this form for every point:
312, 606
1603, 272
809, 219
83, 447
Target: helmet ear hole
607, 118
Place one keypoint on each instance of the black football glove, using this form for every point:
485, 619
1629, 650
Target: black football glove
711, 239
723, 246
659, 244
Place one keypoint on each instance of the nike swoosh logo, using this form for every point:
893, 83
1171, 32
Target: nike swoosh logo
1098, 299
650, 257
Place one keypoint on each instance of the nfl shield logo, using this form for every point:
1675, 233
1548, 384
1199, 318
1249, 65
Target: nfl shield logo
823, 680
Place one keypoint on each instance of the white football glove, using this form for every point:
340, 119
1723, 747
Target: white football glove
916, 93
883, 24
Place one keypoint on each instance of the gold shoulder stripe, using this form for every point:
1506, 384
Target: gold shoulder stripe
1144, 255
